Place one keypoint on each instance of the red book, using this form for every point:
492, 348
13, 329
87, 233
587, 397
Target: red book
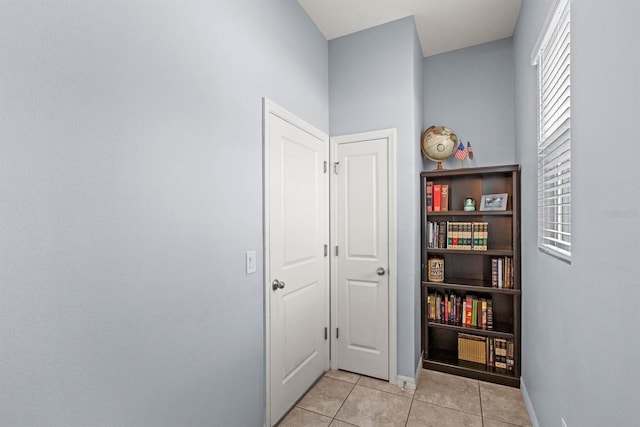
468, 315
437, 194
444, 198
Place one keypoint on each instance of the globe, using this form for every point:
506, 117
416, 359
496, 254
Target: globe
438, 143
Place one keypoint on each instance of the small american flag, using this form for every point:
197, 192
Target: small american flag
461, 152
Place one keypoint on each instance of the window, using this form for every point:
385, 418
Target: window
552, 57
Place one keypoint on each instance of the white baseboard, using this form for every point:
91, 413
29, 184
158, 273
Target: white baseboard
408, 382
529, 405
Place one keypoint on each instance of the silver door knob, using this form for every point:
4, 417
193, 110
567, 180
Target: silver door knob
380, 271
277, 284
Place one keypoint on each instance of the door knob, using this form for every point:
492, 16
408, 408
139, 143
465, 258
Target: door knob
380, 271
277, 284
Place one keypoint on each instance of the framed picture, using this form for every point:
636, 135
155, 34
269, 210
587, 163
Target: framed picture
494, 202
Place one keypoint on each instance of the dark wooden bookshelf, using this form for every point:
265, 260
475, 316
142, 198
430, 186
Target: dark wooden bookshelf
468, 272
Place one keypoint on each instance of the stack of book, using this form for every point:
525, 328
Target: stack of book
437, 197
472, 348
501, 354
498, 353
467, 235
502, 272
437, 234
458, 235
469, 311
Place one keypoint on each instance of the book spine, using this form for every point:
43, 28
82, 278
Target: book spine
429, 196
485, 235
446, 308
501, 353
484, 313
444, 198
437, 194
475, 245
442, 236
510, 356
474, 315
494, 272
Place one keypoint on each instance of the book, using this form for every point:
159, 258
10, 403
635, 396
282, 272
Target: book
437, 194
490, 314
468, 226
500, 353
483, 322
474, 315
446, 308
510, 356
475, 235
442, 234
494, 272
490, 353
468, 313
444, 198
429, 196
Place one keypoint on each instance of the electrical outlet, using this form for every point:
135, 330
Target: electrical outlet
563, 422
251, 262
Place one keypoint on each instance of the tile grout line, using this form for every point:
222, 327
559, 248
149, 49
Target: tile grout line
453, 409
409, 413
480, 397
345, 399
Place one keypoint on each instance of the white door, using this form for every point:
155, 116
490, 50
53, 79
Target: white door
297, 270
362, 231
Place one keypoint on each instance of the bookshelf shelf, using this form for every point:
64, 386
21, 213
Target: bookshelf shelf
488, 280
474, 330
480, 287
447, 361
496, 252
470, 213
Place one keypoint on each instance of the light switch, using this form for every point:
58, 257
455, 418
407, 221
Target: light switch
251, 262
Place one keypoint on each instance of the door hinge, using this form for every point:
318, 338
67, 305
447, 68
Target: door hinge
337, 333
335, 167
326, 166
336, 250
326, 250
325, 333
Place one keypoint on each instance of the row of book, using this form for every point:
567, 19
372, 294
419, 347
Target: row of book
437, 197
458, 235
502, 272
496, 353
469, 311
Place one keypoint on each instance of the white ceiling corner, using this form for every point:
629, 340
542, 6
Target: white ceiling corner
442, 25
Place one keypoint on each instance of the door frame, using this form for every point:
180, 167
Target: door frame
270, 107
390, 136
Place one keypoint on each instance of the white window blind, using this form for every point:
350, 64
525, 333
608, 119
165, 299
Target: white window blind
552, 56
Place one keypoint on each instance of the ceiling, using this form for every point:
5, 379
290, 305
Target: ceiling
442, 25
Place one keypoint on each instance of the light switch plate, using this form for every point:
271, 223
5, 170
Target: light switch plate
251, 262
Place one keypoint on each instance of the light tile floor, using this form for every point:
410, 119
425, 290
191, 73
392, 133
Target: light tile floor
344, 399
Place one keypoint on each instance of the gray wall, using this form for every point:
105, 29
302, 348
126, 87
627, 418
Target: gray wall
580, 322
418, 87
372, 85
130, 188
471, 91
